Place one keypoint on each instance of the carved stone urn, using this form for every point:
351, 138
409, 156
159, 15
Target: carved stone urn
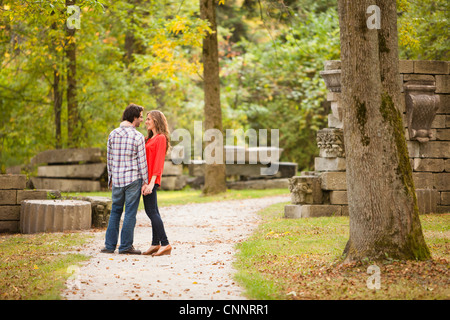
332, 79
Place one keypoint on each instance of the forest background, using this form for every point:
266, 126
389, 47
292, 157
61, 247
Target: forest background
149, 53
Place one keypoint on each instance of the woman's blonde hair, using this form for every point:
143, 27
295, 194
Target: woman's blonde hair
161, 126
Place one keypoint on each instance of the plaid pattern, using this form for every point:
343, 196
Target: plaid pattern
126, 159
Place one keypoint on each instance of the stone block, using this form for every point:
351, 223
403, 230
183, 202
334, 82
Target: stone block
443, 135
329, 164
334, 122
338, 197
100, 210
406, 66
66, 185
171, 169
286, 169
442, 181
443, 209
444, 104
293, 211
447, 165
337, 110
431, 67
429, 165
13, 181
443, 83
423, 180
333, 96
260, 184
334, 181
413, 148
54, 215
419, 77
438, 121
80, 171
447, 121
445, 198
9, 226
317, 210
435, 149
332, 65
31, 195
173, 182
67, 156
305, 189
427, 200
8, 197
10, 213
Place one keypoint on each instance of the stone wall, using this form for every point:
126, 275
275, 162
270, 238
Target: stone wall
426, 117
12, 193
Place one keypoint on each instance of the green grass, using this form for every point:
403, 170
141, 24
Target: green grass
302, 259
186, 196
36, 266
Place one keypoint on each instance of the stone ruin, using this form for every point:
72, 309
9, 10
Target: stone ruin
42, 210
426, 118
247, 175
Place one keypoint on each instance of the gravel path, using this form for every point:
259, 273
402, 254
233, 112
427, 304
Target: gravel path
203, 237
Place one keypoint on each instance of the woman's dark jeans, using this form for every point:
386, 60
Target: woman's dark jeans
151, 209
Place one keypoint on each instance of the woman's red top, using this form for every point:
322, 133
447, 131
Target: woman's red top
155, 149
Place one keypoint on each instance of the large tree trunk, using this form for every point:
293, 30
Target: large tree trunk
56, 90
72, 102
57, 107
384, 220
214, 173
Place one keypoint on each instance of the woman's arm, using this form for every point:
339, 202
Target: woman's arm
149, 188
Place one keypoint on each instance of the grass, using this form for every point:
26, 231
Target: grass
36, 266
186, 196
301, 259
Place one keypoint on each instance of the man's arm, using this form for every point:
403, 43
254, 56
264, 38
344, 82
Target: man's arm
142, 161
109, 159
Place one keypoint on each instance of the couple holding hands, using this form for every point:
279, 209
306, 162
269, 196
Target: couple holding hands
135, 165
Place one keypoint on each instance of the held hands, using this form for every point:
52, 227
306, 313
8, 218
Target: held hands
147, 189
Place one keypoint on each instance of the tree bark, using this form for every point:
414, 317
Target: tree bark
56, 90
72, 102
384, 218
57, 107
214, 173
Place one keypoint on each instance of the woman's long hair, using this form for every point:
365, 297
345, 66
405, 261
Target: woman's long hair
161, 126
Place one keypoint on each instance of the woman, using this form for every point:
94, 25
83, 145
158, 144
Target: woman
156, 147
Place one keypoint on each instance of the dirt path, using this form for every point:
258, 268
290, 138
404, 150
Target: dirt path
200, 266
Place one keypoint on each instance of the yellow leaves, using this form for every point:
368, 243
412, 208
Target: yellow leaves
35, 267
221, 1
273, 235
178, 24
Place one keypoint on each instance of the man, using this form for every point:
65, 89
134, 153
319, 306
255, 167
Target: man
127, 175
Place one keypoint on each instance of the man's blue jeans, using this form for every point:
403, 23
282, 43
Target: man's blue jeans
128, 196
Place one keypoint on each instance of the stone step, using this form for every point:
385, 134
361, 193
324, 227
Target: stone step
88, 171
54, 215
66, 185
285, 169
67, 156
259, 184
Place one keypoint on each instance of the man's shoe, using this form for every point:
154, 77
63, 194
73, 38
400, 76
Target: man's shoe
104, 250
131, 250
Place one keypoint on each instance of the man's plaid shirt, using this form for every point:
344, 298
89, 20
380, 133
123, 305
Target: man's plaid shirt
126, 159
